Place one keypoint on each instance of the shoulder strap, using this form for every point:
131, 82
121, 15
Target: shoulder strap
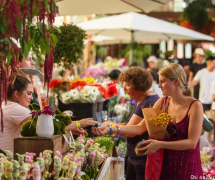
191, 105
165, 104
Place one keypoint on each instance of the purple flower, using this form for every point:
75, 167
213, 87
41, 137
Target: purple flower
47, 111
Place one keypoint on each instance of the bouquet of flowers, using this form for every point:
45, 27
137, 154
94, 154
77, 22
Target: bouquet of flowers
86, 91
95, 72
58, 85
156, 123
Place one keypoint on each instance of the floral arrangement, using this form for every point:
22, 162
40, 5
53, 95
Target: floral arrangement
60, 120
122, 149
102, 68
58, 85
208, 162
95, 72
83, 90
82, 163
46, 110
110, 63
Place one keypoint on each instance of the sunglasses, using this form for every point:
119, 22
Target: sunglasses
174, 127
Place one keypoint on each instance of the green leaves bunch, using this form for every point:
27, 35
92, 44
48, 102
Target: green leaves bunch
70, 45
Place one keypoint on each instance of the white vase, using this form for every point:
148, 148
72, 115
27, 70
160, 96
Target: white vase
45, 126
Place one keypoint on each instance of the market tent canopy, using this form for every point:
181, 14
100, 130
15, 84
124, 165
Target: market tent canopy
85, 7
133, 26
107, 40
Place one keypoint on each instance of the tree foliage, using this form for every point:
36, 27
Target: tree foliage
70, 45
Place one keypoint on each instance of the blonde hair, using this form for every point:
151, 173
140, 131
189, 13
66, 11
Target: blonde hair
173, 71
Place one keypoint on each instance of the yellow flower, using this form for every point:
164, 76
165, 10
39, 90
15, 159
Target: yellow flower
76, 79
90, 80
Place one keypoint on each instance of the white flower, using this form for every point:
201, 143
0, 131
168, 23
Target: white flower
90, 94
94, 91
119, 109
84, 92
74, 94
66, 97
93, 98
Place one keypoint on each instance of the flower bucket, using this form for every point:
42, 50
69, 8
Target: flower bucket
45, 126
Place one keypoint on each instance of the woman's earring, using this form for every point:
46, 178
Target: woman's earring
17, 101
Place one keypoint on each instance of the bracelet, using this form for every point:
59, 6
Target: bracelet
111, 130
114, 130
118, 132
78, 124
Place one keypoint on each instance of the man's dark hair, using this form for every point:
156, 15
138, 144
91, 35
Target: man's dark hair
210, 58
114, 74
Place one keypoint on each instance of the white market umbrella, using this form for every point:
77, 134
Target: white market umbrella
85, 7
134, 27
107, 40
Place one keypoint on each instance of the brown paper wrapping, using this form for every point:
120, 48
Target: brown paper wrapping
155, 132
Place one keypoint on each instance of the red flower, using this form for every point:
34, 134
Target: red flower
76, 84
53, 83
112, 90
101, 89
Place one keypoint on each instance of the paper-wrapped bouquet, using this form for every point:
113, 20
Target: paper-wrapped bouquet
156, 123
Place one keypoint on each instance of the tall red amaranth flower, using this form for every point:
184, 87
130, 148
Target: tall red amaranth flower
11, 12
48, 67
14, 12
3, 84
51, 16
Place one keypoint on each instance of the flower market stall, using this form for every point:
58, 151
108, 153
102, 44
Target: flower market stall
82, 161
84, 97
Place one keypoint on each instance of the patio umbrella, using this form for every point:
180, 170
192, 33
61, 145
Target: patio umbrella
84, 7
134, 27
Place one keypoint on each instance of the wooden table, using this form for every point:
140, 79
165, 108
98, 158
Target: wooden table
37, 144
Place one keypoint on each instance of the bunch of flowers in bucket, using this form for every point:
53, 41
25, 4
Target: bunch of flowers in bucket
81, 163
86, 91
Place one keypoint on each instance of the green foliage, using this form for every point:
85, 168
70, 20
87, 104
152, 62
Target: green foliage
138, 51
209, 53
35, 32
101, 51
91, 172
105, 141
197, 13
69, 48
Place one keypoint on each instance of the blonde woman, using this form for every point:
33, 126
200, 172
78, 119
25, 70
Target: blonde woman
181, 148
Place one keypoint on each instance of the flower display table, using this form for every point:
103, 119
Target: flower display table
36, 144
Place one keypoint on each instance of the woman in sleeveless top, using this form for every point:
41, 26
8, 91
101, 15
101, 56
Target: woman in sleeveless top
181, 151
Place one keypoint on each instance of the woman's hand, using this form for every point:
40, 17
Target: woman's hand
87, 122
79, 131
152, 147
100, 131
107, 123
